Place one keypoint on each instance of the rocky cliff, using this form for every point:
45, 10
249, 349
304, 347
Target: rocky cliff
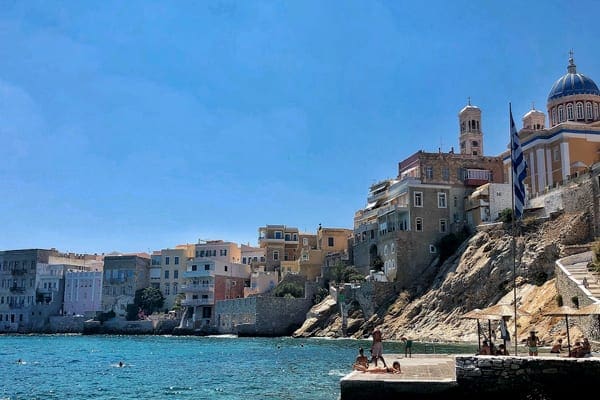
479, 275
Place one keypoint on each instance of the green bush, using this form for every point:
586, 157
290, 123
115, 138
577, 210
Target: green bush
292, 289
505, 215
559, 300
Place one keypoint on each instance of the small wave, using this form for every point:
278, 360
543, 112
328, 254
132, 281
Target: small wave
336, 372
224, 336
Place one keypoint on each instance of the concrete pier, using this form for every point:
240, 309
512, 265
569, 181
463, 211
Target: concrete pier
468, 376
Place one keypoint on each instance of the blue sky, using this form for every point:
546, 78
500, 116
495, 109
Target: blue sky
138, 125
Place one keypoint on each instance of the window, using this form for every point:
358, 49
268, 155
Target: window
554, 116
295, 237
176, 260
432, 249
596, 116
446, 173
275, 255
305, 241
419, 224
167, 260
244, 260
262, 259
176, 274
556, 154
418, 199
561, 113
588, 110
429, 172
226, 268
442, 200
570, 111
223, 252
278, 235
174, 287
330, 241
288, 237
207, 267
304, 256
455, 201
474, 143
166, 274
443, 225
202, 253
579, 110
194, 268
167, 289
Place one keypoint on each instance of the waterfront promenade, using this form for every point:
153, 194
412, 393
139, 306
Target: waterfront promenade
438, 376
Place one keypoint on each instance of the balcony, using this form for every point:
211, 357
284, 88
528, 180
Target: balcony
196, 288
17, 289
18, 271
270, 240
198, 302
201, 273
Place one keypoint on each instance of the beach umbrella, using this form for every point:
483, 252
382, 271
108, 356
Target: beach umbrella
479, 314
504, 310
564, 311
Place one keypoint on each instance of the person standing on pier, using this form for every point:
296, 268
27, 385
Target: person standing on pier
377, 347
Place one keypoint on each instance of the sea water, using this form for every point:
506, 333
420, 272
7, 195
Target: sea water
182, 367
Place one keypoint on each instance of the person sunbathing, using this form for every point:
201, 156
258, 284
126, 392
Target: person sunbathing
394, 369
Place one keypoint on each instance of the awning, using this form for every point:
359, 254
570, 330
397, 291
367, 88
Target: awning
371, 205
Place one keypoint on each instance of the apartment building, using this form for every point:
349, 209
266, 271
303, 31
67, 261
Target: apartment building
32, 286
123, 276
215, 273
166, 271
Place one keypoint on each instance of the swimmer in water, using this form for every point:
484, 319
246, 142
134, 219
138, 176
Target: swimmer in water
120, 364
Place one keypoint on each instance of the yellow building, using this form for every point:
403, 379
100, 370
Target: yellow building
571, 144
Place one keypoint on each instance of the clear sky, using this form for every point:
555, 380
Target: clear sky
137, 125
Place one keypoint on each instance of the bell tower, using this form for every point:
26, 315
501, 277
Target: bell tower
471, 137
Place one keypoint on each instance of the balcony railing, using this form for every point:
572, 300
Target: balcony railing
198, 287
198, 302
201, 273
17, 289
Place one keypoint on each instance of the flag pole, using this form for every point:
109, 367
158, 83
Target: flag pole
514, 246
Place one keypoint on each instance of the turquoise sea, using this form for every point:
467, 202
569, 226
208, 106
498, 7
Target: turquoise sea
181, 367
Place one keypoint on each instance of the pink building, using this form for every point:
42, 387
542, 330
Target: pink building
83, 292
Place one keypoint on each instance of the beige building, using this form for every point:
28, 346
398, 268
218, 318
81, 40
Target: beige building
570, 145
166, 271
215, 273
405, 217
313, 249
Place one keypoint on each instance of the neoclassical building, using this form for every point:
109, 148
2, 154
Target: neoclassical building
571, 143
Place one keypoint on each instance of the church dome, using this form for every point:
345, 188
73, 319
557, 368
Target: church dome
572, 83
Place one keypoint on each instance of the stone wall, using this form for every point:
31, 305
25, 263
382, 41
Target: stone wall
264, 315
370, 295
60, 324
544, 377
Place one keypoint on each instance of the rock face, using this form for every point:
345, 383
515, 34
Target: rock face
480, 274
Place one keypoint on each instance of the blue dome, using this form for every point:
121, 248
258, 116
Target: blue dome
572, 83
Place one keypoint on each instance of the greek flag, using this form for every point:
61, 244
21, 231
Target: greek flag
519, 169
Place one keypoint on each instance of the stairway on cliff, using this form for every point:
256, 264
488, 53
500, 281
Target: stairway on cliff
579, 271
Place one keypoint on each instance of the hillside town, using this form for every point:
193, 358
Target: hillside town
408, 227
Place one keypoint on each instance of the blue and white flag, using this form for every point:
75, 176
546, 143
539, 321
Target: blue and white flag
519, 169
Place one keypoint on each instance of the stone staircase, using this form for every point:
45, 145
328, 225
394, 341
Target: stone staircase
579, 271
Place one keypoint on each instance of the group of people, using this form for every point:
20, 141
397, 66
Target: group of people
362, 362
581, 348
489, 349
